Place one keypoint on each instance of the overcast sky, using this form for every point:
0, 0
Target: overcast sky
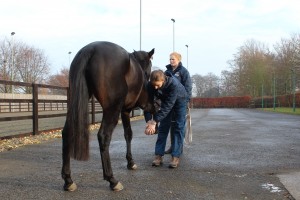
212, 29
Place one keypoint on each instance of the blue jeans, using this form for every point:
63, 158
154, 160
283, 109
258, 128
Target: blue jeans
179, 112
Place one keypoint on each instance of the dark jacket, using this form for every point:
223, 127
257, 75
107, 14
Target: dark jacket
183, 75
171, 91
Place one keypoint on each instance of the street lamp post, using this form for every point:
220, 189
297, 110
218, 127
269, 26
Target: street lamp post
140, 25
173, 20
187, 56
12, 59
69, 57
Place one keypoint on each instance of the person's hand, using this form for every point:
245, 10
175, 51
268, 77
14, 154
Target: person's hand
149, 131
150, 127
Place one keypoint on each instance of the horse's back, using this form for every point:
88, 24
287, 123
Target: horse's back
109, 59
106, 70
97, 55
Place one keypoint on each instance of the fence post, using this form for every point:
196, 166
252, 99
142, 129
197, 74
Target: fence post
35, 114
93, 110
262, 96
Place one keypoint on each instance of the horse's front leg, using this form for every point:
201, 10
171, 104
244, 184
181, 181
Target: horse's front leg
66, 171
128, 137
104, 137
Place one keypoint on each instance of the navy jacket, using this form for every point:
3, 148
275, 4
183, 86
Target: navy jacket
171, 91
183, 75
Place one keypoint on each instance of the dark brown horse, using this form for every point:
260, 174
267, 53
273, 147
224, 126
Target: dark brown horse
118, 81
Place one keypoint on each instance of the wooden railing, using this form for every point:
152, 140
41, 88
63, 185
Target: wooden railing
35, 105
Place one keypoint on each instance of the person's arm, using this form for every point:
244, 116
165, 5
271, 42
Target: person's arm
187, 83
147, 115
170, 96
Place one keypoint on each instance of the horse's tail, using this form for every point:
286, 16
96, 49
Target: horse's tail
78, 112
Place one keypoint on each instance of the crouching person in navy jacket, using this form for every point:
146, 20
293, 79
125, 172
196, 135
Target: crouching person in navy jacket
172, 95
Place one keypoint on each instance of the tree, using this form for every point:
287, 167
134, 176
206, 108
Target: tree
198, 83
228, 83
5, 63
23, 63
252, 69
287, 63
211, 82
206, 86
60, 79
32, 65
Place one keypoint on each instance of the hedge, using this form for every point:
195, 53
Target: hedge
280, 101
246, 102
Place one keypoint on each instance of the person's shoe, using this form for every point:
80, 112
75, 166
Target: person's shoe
157, 161
169, 151
174, 163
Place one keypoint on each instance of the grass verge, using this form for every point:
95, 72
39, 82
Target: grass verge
282, 110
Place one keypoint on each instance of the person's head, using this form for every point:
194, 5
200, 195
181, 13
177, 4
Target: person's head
157, 78
175, 59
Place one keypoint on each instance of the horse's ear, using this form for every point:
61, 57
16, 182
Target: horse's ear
151, 53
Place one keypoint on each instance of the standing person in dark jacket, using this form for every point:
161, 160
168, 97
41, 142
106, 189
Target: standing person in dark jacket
173, 98
181, 73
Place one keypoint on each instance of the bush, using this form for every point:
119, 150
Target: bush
280, 101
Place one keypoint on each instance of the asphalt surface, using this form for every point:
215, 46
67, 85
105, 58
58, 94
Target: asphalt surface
235, 154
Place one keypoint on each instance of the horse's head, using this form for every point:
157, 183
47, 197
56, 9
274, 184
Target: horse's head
144, 59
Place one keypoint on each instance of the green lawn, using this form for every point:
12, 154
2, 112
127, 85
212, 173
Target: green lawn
283, 110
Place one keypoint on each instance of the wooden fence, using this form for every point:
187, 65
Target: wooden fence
36, 103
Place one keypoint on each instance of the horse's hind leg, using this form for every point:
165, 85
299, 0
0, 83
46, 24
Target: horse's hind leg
128, 137
66, 171
109, 122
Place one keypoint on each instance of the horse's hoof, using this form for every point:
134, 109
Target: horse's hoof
132, 167
118, 187
71, 187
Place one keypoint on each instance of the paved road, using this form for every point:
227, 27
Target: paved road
235, 154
